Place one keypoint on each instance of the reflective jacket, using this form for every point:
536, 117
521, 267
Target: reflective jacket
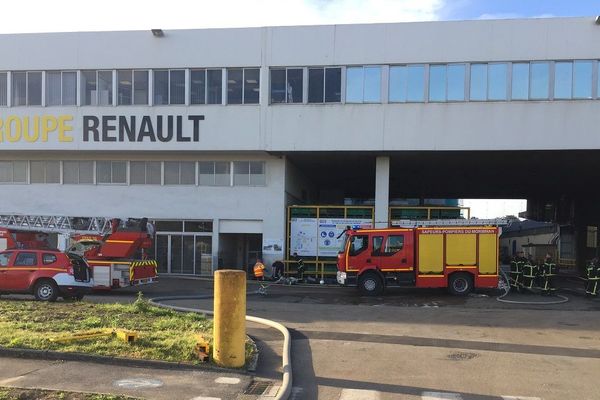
259, 270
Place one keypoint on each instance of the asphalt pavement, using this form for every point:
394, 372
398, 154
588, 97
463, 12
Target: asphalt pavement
408, 344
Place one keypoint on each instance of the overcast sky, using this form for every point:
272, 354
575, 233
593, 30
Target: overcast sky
83, 15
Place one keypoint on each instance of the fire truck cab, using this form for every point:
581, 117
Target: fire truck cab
457, 258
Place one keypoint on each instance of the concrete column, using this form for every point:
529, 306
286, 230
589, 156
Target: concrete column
215, 245
382, 191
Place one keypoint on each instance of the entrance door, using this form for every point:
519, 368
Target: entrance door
184, 254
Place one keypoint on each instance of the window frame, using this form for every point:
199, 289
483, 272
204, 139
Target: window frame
20, 253
286, 83
93, 172
45, 172
364, 68
6, 83
13, 181
97, 181
179, 173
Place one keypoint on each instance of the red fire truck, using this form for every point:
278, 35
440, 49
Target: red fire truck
459, 258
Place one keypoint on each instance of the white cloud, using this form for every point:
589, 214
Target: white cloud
81, 15
513, 16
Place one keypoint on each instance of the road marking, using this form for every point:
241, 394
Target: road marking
227, 380
357, 394
520, 398
206, 398
440, 396
138, 383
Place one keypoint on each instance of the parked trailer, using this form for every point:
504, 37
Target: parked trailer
454, 257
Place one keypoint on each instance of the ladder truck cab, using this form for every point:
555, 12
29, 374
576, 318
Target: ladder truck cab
459, 258
120, 258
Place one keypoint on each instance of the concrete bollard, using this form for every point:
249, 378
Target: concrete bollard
229, 328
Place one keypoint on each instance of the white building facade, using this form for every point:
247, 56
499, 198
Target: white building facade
195, 129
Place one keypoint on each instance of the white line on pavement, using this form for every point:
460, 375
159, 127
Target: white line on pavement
440, 396
227, 380
520, 398
357, 394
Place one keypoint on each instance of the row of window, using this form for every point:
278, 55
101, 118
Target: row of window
498, 81
132, 87
204, 173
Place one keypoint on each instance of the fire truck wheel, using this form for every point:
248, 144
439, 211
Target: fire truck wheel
370, 284
460, 284
46, 290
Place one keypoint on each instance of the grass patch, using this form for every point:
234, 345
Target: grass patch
36, 394
163, 334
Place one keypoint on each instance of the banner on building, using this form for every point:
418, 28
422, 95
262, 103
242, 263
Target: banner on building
323, 237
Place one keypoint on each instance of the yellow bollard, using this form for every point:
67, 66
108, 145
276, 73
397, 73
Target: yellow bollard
229, 328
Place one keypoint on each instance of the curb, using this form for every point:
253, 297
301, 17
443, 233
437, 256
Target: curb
286, 384
109, 360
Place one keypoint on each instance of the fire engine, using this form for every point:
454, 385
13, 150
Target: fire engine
115, 249
457, 256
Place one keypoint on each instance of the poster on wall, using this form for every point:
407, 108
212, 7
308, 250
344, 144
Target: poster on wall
323, 237
303, 236
331, 231
272, 246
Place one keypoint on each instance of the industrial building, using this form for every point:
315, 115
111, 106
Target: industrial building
214, 133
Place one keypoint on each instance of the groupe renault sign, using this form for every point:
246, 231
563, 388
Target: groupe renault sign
106, 128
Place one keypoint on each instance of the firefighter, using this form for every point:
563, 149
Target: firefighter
516, 271
548, 272
259, 270
593, 276
530, 273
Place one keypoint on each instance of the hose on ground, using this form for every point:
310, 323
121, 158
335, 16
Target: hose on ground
563, 299
286, 381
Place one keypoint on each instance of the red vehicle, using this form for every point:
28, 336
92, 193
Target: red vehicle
457, 258
45, 273
120, 258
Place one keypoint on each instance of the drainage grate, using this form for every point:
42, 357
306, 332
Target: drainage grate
258, 387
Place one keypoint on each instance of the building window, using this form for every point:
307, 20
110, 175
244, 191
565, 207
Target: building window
242, 85
214, 93
3, 89
96, 88
27, 88
478, 88
177, 86
78, 172
132, 87
497, 81
161, 87
13, 171
447, 82
198, 86
169, 87
520, 81
437, 83
324, 85
407, 83
363, 84
249, 173
125, 87
114, 172
180, 173
563, 80
539, 80
61, 88
45, 172
145, 172
582, 79
287, 85
214, 173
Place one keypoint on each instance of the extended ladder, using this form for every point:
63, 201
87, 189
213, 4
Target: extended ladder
409, 223
56, 224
